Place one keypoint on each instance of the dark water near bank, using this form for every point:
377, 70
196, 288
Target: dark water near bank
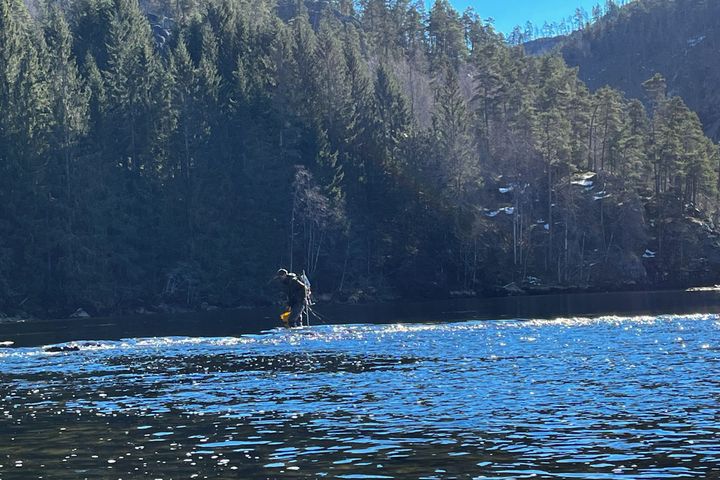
623, 396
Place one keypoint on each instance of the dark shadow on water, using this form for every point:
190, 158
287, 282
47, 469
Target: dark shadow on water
310, 362
247, 321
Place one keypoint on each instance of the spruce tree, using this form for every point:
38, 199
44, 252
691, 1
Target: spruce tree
457, 162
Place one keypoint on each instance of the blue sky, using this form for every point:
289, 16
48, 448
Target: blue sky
508, 13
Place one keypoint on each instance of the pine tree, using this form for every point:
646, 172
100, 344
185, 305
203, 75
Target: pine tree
135, 88
13, 181
97, 101
455, 153
489, 57
553, 135
25, 126
632, 152
306, 74
91, 21
70, 102
683, 152
360, 116
334, 101
70, 96
13, 44
605, 129
445, 34
392, 120
378, 26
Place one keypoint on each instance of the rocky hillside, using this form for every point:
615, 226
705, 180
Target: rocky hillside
680, 39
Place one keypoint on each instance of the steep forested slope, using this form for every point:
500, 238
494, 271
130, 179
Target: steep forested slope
152, 161
679, 39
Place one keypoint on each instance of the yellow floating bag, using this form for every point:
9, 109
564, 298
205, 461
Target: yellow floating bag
284, 316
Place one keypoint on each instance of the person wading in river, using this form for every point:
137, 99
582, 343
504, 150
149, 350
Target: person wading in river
297, 297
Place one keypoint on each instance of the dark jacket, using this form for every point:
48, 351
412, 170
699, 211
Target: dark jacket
296, 289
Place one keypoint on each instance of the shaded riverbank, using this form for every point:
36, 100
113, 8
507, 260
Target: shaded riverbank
243, 321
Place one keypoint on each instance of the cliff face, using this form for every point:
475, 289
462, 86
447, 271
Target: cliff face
542, 46
680, 39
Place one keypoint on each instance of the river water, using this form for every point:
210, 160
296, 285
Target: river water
625, 396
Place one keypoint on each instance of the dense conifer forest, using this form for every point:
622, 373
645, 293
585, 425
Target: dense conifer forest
678, 38
177, 154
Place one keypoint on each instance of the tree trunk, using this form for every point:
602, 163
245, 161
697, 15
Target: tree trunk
292, 231
548, 255
345, 262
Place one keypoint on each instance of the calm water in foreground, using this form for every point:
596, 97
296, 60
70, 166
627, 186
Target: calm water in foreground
623, 397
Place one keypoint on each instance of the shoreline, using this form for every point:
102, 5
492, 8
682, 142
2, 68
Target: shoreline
228, 323
164, 309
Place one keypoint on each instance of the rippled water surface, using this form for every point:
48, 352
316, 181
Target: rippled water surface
609, 397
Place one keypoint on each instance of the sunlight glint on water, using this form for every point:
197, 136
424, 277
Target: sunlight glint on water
608, 397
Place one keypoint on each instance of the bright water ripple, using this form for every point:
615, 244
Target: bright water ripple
610, 397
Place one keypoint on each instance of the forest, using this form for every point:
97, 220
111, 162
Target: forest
676, 38
176, 154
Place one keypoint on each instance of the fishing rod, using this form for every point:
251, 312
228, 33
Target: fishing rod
322, 318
